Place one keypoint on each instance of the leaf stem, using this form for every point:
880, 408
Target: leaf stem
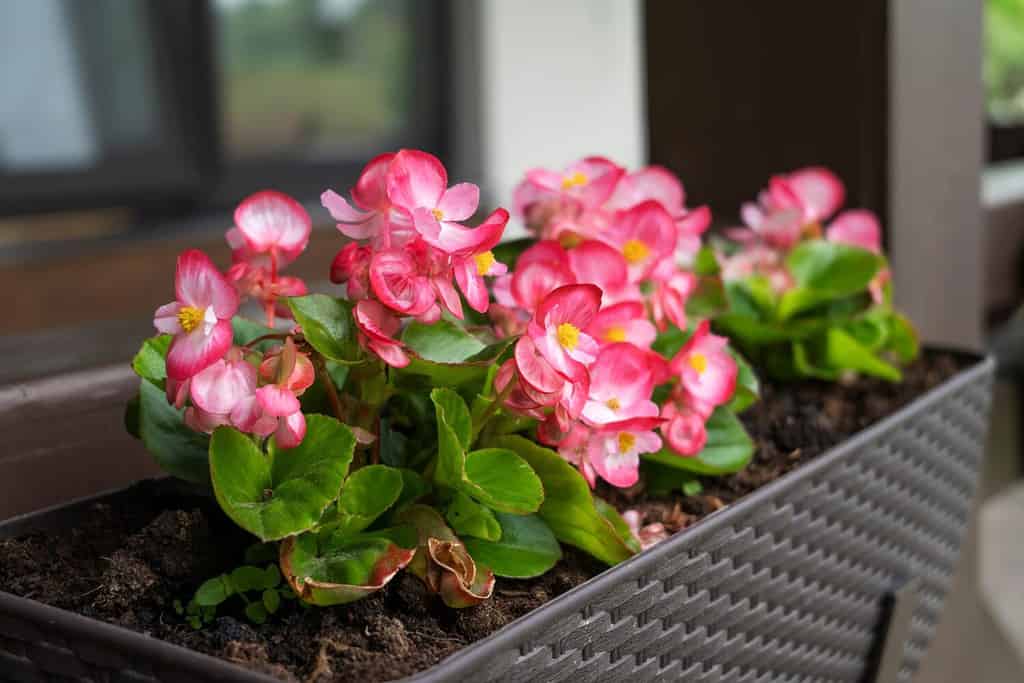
267, 337
495, 406
332, 391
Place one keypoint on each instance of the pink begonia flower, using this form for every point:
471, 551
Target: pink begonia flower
532, 282
417, 184
178, 391
273, 225
351, 267
218, 390
649, 535
377, 327
473, 259
589, 181
644, 235
857, 227
661, 185
545, 387
398, 282
369, 218
668, 300
516, 400
621, 381
558, 327
757, 259
274, 409
623, 322
778, 228
574, 449
199, 318
819, 192
706, 370
685, 429
614, 451
596, 263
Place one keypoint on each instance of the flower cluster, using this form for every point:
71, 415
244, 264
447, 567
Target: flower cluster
271, 230
790, 210
409, 243
589, 299
224, 384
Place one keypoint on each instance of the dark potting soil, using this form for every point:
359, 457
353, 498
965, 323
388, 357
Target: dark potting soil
129, 559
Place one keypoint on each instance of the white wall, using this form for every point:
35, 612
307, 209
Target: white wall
543, 82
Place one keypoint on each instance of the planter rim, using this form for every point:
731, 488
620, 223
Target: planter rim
521, 629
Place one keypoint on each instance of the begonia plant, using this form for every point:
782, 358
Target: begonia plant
444, 414
806, 290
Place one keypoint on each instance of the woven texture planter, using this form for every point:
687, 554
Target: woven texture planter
790, 583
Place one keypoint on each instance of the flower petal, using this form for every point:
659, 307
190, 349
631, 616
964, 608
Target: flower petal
165, 319
271, 219
574, 304
415, 180
370, 192
291, 430
198, 283
857, 227
196, 351
459, 202
820, 191
277, 401
220, 387
596, 263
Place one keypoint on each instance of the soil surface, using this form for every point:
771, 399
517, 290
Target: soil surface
130, 558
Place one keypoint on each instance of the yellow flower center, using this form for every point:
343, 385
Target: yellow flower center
569, 240
568, 336
626, 442
699, 362
189, 317
438, 214
635, 251
484, 262
615, 334
574, 179
613, 403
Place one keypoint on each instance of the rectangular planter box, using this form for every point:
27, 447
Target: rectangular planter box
790, 583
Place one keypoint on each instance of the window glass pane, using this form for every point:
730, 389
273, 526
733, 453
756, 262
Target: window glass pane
1004, 61
313, 79
78, 84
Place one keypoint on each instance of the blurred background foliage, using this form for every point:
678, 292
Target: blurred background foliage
307, 77
1004, 60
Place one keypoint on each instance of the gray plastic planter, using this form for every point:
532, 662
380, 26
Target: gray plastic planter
793, 582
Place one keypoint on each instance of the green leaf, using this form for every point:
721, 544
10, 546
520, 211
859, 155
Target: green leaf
454, 431
393, 445
903, 339
452, 374
527, 547
502, 481
609, 512
150, 363
708, 299
729, 448
246, 330
692, 487
414, 487
469, 518
366, 494
660, 480
752, 332
248, 578
285, 492
747, 386
568, 508
256, 612
214, 591
180, 451
669, 342
800, 299
843, 352
442, 342
332, 569
327, 325
271, 600
131, 416
839, 269
870, 330
706, 263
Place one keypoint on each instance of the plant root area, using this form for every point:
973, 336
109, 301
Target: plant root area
134, 554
